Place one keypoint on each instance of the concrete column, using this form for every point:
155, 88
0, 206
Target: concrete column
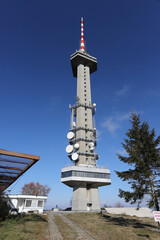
79, 199
85, 199
94, 195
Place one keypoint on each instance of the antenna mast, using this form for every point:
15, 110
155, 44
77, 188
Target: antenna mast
82, 36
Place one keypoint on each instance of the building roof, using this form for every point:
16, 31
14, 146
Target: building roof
21, 196
13, 165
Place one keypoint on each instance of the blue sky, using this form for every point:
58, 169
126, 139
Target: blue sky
37, 85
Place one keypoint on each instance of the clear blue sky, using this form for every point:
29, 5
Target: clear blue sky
36, 82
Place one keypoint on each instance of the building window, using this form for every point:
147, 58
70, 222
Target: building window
84, 90
85, 99
40, 203
85, 95
66, 174
28, 203
89, 174
85, 114
85, 125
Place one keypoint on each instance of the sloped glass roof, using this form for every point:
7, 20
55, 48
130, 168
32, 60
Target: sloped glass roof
13, 165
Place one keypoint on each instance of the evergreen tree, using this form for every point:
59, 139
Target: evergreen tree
143, 157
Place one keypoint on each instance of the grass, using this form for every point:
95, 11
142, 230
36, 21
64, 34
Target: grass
100, 226
66, 232
112, 227
23, 227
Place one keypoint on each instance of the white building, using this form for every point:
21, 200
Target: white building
28, 203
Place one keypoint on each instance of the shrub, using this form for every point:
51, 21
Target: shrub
4, 207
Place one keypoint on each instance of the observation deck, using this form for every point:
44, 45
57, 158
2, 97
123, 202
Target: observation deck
73, 176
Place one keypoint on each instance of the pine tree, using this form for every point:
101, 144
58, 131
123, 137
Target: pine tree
143, 157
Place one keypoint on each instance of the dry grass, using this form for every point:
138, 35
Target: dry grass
101, 227
28, 227
113, 227
66, 232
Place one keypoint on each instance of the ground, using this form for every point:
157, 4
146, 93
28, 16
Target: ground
78, 226
94, 226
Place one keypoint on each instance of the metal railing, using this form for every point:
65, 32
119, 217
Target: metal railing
89, 166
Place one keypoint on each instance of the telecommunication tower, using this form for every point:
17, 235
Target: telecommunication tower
83, 175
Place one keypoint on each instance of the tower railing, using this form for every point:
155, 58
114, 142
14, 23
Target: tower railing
88, 166
78, 104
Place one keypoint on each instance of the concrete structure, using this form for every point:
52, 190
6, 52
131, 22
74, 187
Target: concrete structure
83, 176
141, 212
28, 203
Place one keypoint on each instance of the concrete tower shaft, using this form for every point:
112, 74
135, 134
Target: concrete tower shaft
83, 65
84, 114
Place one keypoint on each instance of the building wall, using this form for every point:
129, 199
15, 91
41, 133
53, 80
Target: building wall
142, 212
28, 204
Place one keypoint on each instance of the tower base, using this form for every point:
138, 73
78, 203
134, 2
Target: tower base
85, 199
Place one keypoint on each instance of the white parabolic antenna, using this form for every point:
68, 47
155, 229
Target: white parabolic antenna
76, 146
74, 124
70, 135
91, 145
69, 149
74, 156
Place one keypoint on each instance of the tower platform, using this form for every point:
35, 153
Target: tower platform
85, 181
85, 59
92, 176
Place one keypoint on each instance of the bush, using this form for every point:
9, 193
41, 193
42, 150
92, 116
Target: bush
4, 207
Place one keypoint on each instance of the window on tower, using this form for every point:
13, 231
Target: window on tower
86, 174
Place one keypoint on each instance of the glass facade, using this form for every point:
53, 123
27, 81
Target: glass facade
85, 174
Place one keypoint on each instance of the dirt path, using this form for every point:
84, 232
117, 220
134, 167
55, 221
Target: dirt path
55, 234
81, 233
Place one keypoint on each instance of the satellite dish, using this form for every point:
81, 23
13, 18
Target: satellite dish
91, 145
96, 156
92, 149
70, 135
94, 104
74, 124
76, 146
74, 156
69, 149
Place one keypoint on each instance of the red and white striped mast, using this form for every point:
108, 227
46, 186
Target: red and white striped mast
82, 36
